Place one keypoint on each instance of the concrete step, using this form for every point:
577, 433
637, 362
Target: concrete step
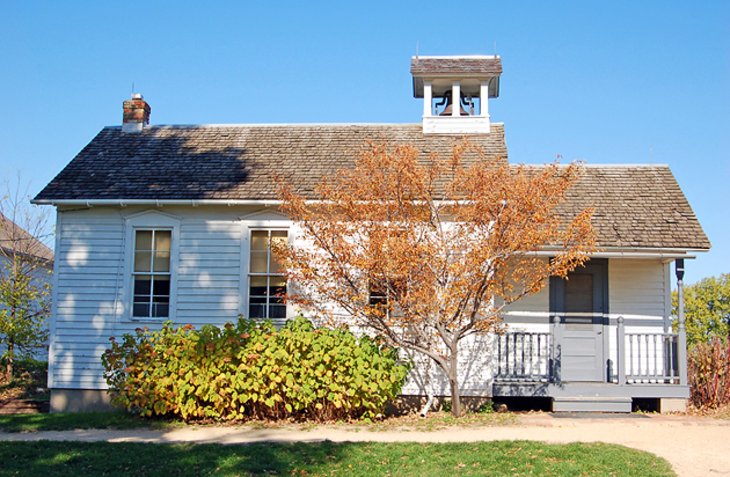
591, 404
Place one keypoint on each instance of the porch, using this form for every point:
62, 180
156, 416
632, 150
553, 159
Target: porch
647, 365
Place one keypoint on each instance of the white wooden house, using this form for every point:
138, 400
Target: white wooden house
173, 222
37, 260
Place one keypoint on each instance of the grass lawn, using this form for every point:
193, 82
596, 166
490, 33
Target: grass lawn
505, 458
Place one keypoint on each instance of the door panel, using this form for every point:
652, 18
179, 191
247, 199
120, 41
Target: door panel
581, 302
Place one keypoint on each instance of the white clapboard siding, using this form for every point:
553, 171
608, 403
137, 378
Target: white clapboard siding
638, 289
208, 286
91, 275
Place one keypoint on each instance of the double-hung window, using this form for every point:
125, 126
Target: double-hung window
267, 280
378, 294
151, 273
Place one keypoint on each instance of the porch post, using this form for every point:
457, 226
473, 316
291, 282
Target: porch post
621, 351
681, 330
556, 367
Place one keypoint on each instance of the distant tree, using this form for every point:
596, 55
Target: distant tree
24, 269
425, 254
707, 309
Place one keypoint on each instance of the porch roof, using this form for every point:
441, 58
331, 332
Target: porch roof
636, 207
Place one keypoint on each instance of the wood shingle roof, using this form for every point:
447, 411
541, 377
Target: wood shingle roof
636, 206
230, 162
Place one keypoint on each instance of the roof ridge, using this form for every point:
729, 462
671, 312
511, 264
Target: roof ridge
276, 125
601, 165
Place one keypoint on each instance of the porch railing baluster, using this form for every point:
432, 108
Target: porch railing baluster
524, 356
655, 356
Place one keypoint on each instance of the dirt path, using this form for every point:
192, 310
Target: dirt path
694, 446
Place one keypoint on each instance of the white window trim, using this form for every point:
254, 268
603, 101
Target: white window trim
145, 221
247, 226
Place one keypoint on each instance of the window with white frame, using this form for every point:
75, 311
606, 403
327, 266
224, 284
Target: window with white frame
151, 274
267, 280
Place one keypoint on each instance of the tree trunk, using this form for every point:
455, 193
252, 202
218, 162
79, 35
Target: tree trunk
454, 381
455, 398
9, 363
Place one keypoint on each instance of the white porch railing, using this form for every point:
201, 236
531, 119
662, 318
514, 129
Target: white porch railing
642, 358
651, 358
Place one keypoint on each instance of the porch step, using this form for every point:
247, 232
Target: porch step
591, 404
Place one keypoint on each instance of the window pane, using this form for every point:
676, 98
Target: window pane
143, 240
259, 240
377, 294
141, 308
258, 261
160, 310
275, 264
162, 262
277, 286
161, 285
278, 237
142, 261
579, 293
277, 311
162, 240
256, 310
142, 285
258, 286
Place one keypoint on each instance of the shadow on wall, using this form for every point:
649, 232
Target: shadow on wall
477, 367
158, 163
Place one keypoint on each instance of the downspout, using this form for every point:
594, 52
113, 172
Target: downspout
681, 329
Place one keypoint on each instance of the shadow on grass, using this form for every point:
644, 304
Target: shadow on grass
44, 458
77, 420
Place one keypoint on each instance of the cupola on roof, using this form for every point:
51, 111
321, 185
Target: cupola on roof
456, 92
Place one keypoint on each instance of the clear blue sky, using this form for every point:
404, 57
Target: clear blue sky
605, 82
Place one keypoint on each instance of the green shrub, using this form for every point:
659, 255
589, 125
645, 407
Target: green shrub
252, 370
708, 367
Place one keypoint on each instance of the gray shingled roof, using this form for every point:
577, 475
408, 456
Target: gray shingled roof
231, 162
636, 206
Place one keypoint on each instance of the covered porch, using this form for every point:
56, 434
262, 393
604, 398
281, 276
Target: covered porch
592, 360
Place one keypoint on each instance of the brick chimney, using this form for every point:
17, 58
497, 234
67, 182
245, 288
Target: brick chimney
136, 114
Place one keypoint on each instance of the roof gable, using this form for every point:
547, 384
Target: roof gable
11, 234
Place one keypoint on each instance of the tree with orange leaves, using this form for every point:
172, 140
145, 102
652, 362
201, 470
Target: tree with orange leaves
425, 252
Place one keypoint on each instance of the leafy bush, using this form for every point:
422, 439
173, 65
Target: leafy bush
709, 374
252, 370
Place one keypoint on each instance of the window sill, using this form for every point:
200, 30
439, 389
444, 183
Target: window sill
139, 319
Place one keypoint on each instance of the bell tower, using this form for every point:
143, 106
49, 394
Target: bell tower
456, 92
